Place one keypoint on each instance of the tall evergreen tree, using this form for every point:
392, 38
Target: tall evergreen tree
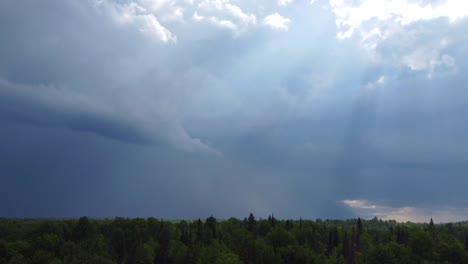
252, 224
359, 227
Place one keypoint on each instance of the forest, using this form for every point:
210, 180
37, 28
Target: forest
248, 240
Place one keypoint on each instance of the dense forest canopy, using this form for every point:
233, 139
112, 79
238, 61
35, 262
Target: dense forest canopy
251, 240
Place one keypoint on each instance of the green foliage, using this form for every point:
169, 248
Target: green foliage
179, 252
217, 253
280, 238
251, 241
265, 253
389, 253
44, 257
422, 245
18, 259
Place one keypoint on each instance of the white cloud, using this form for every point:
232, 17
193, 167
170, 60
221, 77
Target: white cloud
148, 24
166, 10
224, 14
222, 23
350, 17
139, 16
285, 2
387, 32
360, 204
276, 21
377, 83
243, 17
369, 209
430, 59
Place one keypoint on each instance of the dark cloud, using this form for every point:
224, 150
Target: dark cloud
99, 118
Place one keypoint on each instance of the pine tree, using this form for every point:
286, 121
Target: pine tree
432, 229
252, 225
359, 227
272, 220
199, 230
346, 247
466, 241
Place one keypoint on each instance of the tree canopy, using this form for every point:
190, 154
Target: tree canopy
210, 240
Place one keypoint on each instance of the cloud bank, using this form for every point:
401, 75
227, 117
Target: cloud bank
193, 108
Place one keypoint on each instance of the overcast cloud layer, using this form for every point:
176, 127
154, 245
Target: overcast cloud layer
191, 108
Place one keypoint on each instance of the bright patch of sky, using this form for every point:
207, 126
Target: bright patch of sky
352, 15
368, 209
285, 2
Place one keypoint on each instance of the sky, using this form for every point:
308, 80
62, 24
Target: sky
191, 108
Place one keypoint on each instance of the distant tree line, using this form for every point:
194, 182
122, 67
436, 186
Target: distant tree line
269, 241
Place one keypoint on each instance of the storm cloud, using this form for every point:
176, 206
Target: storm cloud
183, 109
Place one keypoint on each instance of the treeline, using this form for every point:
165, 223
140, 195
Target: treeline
145, 241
